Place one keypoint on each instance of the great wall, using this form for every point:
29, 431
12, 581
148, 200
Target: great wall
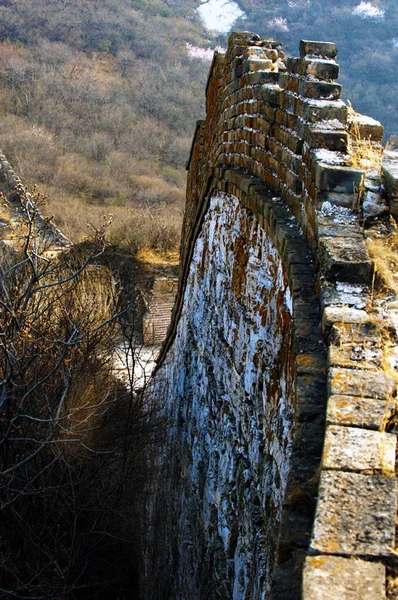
277, 374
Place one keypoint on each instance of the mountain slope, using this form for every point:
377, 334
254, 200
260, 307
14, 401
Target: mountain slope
98, 100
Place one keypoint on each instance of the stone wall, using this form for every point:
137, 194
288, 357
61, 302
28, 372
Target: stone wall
158, 304
14, 194
278, 140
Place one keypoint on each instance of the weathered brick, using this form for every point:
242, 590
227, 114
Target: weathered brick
345, 259
350, 382
355, 515
323, 49
326, 138
342, 314
319, 68
368, 413
257, 65
367, 127
319, 89
359, 450
323, 110
331, 178
336, 578
354, 357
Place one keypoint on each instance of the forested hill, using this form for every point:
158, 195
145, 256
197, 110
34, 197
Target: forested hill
98, 98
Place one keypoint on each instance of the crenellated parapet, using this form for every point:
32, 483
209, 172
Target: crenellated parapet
282, 121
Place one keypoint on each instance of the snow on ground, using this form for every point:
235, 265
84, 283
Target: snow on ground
367, 10
395, 42
205, 54
219, 15
298, 3
278, 24
139, 365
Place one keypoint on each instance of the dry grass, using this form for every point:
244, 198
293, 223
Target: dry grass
153, 257
364, 154
383, 252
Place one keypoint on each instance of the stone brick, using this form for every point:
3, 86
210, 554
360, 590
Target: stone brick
337, 578
329, 178
367, 127
289, 138
319, 89
289, 82
273, 94
289, 102
355, 357
359, 450
362, 412
323, 49
326, 226
326, 138
372, 332
344, 259
310, 363
310, 390
355, 515
323, 110
350, 382
258, 65
319, 68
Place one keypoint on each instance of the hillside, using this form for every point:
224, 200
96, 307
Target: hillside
99, 100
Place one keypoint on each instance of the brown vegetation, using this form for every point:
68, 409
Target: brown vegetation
98, 104
73, 436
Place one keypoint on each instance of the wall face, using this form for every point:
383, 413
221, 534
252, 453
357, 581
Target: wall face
227, 384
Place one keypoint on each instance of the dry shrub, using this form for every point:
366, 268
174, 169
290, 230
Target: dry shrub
363, 153
72, 456
383, 252
156, 228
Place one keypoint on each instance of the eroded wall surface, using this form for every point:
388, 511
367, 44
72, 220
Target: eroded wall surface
228, 387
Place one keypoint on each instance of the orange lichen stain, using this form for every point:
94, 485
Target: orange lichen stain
263, 312
305, 360
241, 258
317, 561
285, 318
331, 546
339, 381
202, 265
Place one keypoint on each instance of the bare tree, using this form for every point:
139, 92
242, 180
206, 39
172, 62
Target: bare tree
72, 435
